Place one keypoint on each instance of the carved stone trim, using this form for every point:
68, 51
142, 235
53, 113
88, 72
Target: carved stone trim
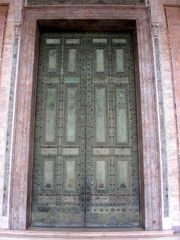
147, 112
4, 163
162, 128
84, 2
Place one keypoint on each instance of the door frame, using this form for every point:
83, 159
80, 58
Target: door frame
147, 119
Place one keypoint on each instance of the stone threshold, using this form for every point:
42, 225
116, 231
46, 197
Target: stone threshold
80, 234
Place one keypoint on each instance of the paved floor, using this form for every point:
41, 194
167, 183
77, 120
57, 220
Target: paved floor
76, 234
69, 238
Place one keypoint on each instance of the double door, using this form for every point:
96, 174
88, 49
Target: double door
85, 157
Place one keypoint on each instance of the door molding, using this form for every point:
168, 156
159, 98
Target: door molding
149, 160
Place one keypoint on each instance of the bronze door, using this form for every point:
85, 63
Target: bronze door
85, 158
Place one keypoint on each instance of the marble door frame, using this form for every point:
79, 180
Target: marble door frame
148, 147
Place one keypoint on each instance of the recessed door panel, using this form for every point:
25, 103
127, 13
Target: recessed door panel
100, 175
72, 60
99, 60
100, 114
85, 158
71, 113
52, 63
48, 174
70, 173
121, 115
50, 115
119, 60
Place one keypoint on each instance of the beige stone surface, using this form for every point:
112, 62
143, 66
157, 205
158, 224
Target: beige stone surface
85, 234
170, 119
69, 238
5, 79
13, 18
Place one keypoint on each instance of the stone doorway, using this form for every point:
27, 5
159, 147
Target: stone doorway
133, 19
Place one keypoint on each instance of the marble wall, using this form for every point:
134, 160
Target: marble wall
8, 75
167, 91
170, 106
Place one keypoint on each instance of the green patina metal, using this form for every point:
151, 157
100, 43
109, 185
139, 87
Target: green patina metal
72, 80
85, 158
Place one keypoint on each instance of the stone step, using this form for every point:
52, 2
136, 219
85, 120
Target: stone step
83, 235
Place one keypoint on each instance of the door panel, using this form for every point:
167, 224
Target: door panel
112, 195
59, 159
85, 160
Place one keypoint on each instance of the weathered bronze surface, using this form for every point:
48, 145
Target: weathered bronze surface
85, 160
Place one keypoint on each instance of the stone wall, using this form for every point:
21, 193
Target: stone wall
167, 91
9, 55
5, 80
170, 105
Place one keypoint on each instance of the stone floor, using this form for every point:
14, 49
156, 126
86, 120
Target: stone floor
76, 234
69, 238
